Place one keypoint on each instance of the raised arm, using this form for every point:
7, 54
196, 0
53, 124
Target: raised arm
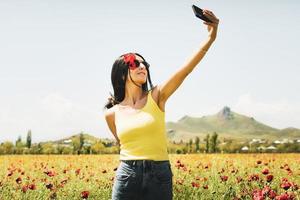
170, 86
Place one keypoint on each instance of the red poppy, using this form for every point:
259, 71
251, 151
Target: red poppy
204, 179
195, 184
269, 177
50, 173
284, 180
285, 185
253, 177
49, 186
205, 187
64, 181
285, 196
179, 181
24, 188
258, 162
19, 180
257, 194
239, 179
224, 178
222, 171
10, 173
294, 186
272, 194
265, 171
32, 186
77, 171
266, 190
85, 194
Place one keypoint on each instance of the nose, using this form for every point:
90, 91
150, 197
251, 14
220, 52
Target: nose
142, 66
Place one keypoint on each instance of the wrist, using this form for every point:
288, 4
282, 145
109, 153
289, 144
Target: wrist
211, 38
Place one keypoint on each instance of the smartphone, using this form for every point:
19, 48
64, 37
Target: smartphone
199, 13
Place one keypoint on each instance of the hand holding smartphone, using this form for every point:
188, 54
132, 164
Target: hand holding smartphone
199, 13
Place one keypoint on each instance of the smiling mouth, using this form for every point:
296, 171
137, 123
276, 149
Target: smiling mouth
141, 73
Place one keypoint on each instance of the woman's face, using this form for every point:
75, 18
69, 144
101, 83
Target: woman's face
139, 74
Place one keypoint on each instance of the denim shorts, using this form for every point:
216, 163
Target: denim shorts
143, 180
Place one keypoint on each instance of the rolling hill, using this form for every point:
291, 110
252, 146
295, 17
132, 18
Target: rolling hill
227, 124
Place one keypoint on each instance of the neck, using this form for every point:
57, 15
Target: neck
133, 94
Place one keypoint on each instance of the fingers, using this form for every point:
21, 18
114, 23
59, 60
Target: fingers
210, 15
209, 12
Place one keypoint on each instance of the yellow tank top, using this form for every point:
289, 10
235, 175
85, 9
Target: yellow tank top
142, 134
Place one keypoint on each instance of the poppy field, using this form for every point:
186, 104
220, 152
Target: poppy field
195, 176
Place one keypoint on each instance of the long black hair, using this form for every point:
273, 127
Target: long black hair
119, 74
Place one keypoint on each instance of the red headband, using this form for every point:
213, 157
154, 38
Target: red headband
129, 60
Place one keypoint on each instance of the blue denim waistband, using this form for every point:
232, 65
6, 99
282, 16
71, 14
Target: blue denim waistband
144, 162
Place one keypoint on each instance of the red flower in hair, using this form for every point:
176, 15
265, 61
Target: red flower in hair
129, 60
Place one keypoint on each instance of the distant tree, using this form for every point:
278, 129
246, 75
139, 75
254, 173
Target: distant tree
288, 148
97, 147
67, 150
59, 149
213, 142
197, 142
207, 143
19, 147
81, 142
185, 149
2, 149
76, 145
39, 148
7, 148
48, 148
18, 141
88, 149
190, 145
28, 139
35, 148
178, 151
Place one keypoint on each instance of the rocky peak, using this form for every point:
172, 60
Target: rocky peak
225, 113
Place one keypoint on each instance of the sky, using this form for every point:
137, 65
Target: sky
56, 59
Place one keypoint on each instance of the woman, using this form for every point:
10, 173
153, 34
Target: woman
136, 118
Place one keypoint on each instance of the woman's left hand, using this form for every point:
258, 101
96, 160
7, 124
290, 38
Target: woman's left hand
212, 27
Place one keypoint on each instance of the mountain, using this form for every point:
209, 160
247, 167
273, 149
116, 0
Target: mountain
227, 124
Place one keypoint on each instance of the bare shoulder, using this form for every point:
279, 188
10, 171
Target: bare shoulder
156, 97
110, 114
155, 93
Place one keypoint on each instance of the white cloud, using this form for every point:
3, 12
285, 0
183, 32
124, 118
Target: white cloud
278, 114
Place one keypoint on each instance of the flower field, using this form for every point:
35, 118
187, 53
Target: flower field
196, 176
